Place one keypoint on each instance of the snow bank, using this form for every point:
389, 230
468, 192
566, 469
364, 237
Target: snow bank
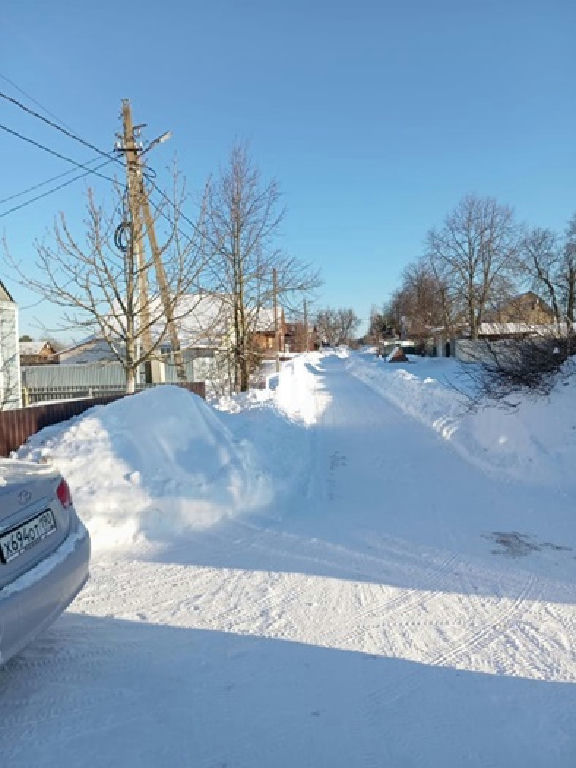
151, 466
536, 442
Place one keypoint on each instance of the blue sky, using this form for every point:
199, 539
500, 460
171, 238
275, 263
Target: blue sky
375, 117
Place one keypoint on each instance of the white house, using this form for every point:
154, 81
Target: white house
204, 324
10, 391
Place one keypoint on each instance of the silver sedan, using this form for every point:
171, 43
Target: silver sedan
44, 552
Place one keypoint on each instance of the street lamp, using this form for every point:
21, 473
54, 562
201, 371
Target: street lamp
160, 140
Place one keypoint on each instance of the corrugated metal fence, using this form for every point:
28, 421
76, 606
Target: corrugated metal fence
61, 382
17, 425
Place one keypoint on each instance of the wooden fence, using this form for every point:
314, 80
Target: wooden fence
17, 425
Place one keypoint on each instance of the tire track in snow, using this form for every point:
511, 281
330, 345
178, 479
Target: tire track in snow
379, 700
482, 637
408, 600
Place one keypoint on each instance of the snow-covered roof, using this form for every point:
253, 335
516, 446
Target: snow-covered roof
201, 319
92, 350
208, 316
508, 329
265, 321
206, 320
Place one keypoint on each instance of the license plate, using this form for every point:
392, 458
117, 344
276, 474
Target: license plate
17, 540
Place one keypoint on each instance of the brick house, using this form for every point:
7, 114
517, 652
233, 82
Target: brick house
38, 353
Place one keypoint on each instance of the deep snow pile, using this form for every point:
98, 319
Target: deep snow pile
151, 465
534, 442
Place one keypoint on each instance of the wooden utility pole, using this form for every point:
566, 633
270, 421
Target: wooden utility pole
306, 323
140, 206
136, 244
167, 303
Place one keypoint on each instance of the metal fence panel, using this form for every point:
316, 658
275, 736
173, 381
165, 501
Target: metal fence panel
73, 376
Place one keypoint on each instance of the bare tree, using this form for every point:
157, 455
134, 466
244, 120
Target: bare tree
423, 298
337, 326
378, 325
476, 245
540, 260
502, 369
535, 363
107, 286
250, 274
566, 274
422, 302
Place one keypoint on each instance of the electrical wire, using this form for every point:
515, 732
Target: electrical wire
51, 123
170, 221
173, 204
150, 174
57, 154
51, 191
48, 181
33, 100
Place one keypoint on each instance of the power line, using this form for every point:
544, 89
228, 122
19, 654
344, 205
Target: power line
172, 223
110, 158
54, 189
57, 154
47, 181
83, 167
58, 127
173, 204
73, 136
33, 100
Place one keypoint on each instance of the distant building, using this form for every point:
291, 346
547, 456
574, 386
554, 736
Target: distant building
205, 331
10, 393
520, 317
526, 308
38, 353
264, 333
296, 338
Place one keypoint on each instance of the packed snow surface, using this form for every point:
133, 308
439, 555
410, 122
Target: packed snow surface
347, 569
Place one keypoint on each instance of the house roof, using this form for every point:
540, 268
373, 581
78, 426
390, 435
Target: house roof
510, 329
4, 294
35, 347
204, 320
92, 350
523, 302
265, 319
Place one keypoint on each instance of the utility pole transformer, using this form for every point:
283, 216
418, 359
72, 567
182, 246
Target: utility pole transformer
140, 209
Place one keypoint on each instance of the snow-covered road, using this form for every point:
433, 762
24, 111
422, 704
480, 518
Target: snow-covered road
394, 606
